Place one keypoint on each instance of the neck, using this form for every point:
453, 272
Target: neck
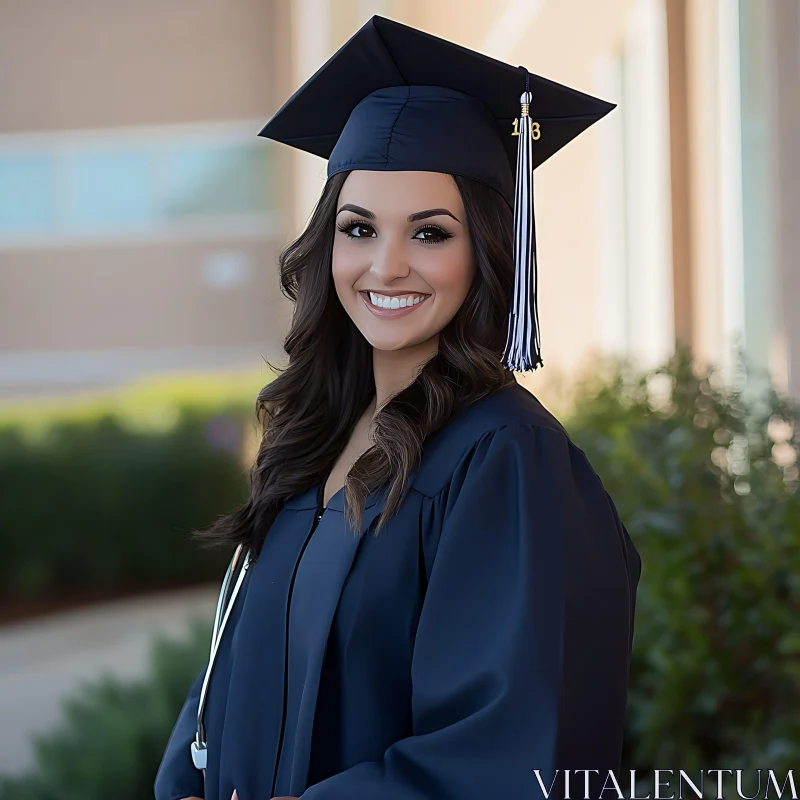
395, 369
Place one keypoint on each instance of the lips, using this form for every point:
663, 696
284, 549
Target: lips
392, 313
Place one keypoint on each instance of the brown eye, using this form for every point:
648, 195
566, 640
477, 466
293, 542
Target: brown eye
431, 234
357, 230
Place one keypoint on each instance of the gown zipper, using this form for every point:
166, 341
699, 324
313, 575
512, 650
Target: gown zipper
320, 510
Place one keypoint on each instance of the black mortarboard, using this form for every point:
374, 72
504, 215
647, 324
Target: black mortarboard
396, 98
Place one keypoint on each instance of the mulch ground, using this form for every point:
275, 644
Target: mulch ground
26, 609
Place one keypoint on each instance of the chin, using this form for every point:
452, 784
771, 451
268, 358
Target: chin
392, 343
389, 345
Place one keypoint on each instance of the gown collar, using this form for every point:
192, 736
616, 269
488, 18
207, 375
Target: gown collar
310, 499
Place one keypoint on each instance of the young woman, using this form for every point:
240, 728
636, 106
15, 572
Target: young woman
438, 595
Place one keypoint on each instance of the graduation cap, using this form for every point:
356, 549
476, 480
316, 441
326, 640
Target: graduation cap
396, 98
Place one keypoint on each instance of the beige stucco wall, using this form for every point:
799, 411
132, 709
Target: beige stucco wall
90, 63
137, 296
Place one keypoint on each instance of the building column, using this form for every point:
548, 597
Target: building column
714, 182
647, 184
683, 307
785, 50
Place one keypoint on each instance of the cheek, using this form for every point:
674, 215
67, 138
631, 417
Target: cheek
347, 267
452, 275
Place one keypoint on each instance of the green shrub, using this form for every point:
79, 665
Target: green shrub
705, 481
104, 495
114, 733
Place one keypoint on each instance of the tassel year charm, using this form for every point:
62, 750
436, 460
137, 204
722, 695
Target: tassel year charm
522, 352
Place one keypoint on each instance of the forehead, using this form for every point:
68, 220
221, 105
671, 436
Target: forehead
400, 192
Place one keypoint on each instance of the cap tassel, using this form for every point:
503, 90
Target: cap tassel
522, 352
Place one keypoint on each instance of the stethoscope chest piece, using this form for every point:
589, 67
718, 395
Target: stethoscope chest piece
199, 755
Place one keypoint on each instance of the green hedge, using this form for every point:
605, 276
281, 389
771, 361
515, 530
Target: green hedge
103, 495
706, 482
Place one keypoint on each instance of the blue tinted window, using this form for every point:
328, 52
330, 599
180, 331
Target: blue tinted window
229, 179
111, 189
136, 185
27, 193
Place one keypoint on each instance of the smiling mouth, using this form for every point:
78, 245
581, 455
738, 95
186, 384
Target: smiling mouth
383, 305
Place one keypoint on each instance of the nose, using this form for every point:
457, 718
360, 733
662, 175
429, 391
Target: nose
391, 260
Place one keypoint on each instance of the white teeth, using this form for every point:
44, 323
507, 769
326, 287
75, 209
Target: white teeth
384, 301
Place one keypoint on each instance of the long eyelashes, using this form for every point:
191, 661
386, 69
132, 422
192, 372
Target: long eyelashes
441, 234
348, 227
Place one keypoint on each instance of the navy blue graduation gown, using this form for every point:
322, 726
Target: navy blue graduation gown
484, 634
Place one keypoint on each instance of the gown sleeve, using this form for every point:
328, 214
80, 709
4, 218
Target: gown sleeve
521, 655
177, 776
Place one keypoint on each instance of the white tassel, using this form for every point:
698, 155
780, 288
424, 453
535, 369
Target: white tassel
522, 352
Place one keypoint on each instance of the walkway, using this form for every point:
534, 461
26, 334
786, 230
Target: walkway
44, 661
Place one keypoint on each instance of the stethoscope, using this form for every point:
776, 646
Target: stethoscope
199, 745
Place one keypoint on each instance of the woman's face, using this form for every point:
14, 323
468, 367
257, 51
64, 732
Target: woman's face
402, 257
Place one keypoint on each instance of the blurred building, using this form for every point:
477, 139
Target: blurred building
140, 216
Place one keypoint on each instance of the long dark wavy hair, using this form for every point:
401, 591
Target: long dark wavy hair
308, 412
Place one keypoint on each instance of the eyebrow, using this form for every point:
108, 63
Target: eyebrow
431, 212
